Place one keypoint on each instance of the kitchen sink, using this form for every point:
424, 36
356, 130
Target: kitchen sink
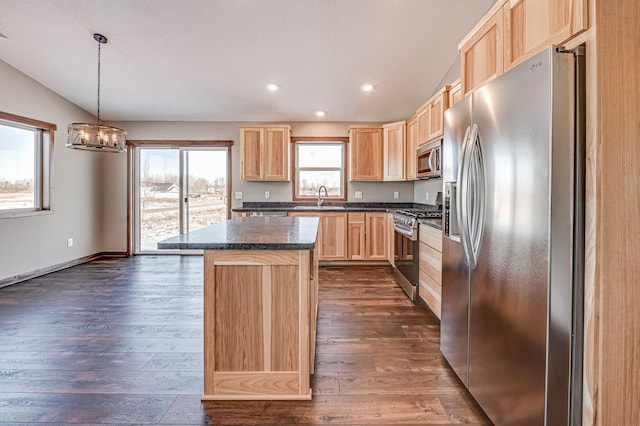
318, 208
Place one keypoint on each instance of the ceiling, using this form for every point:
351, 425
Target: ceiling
210, 60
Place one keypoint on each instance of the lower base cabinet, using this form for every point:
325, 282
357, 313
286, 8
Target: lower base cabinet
430, 276
368, 239
333, 234
260, 312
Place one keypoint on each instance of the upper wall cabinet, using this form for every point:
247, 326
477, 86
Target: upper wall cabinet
455, 93
481, 52
514, 30
264, 152
366, 153
430, 116
532, 25
394, 151
412, 146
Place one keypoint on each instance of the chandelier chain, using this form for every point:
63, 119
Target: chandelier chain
99, 45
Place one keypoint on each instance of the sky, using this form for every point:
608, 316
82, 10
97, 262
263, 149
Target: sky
16, 153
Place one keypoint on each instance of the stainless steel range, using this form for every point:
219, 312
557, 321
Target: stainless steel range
406, 247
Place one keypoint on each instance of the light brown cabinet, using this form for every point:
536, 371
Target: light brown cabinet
532, 25
430, 117
376, 236
366, 153
481, 52
390, 239
436, 113
422, 115
430, 275
514, 30
455, 93
368, 238
357, 236
265, 152
412, 146
259, 324
394, 151
332, 240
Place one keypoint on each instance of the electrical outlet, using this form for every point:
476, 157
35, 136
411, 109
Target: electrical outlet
358, 194
427, 196
267, 195
69, 242
238, 195
396, 194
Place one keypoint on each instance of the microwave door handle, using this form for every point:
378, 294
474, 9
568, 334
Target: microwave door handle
430, 162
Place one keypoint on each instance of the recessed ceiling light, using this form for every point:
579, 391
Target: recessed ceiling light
320, 113
367, 87
273, 87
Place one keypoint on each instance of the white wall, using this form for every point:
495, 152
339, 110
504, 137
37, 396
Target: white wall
28, 244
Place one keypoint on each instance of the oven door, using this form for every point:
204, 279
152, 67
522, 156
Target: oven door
405, 258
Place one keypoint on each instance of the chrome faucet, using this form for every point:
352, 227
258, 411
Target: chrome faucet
320, 197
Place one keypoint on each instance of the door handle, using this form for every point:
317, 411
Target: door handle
462, 197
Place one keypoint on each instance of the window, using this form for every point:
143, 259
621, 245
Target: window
317, 162
25, 171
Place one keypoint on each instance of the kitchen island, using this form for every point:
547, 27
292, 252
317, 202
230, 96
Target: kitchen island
260, 306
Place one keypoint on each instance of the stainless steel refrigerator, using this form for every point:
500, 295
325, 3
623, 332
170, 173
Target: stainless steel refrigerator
513, 175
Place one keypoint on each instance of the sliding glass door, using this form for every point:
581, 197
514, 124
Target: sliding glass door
177, 190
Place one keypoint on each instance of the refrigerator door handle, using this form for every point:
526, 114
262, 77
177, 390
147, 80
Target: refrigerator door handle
463, 198
477, 197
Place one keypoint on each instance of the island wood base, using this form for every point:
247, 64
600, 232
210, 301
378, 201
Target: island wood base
260, 309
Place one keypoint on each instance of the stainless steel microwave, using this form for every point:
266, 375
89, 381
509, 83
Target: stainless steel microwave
429, 163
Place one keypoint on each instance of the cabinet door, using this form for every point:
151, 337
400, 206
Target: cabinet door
412, 146
436, 116
275, 158
334, 236
535, 24
376, 236
394, 151
357, 249
455, 93
390, 239
365, 149
481, 57
423, 124
250, 153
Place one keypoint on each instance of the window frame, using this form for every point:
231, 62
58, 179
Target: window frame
318, 140
43, 167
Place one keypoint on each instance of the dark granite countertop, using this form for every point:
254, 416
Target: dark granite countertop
251, 233
434, 223
327, 206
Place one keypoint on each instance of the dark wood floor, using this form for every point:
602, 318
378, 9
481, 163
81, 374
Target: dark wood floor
119, 341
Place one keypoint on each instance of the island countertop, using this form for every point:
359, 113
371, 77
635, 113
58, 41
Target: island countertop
250, 233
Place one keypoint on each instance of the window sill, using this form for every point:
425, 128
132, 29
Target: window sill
24, 213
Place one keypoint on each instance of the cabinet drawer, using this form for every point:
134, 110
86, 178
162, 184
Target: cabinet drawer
356, 217
431, 237
430, 293
431, 263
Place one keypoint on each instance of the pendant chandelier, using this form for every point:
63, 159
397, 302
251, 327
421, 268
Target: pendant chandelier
96, 137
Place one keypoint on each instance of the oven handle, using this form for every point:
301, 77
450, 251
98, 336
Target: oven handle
405, 232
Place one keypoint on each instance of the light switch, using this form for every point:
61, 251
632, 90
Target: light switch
267, 194
396, 194
238, 195
358, 194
